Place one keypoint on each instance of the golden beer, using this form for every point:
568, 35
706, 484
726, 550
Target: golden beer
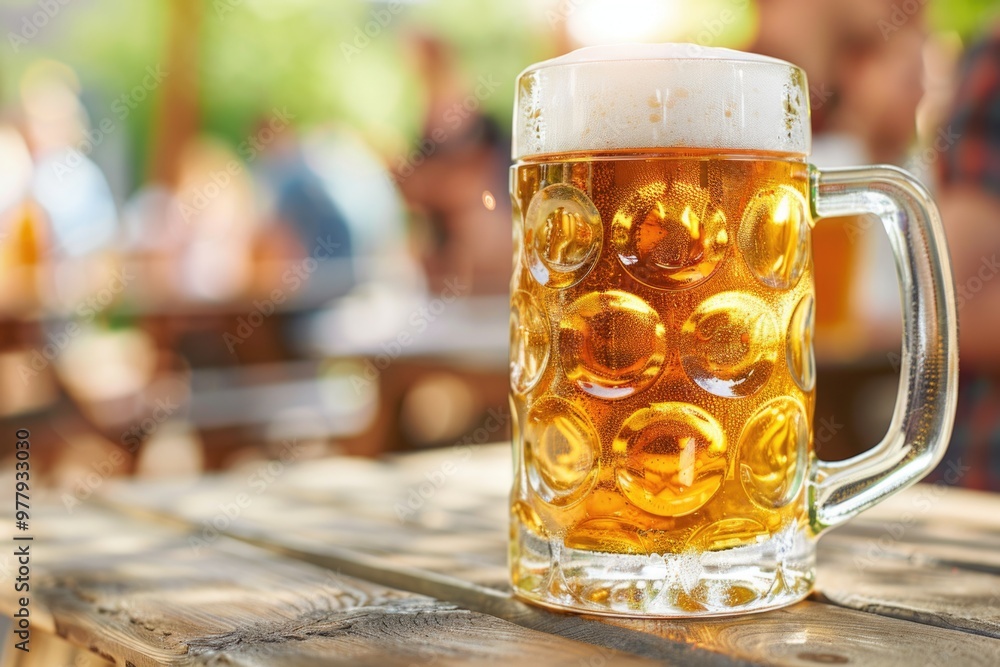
663, 399
661, 334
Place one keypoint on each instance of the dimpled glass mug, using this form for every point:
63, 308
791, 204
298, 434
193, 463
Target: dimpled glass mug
662, 307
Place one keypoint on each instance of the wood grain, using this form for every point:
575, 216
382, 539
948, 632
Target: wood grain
930, 554
47, 650
449, 542
139, 594
803, 635
947, 597
811, 633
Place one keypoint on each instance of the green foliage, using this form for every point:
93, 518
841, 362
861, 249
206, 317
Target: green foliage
109, 44
313, 58
969, 18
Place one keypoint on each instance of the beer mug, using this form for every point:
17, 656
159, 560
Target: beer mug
662, 314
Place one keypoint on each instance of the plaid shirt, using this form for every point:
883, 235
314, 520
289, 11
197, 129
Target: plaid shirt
974, 122
973, 457
971, 460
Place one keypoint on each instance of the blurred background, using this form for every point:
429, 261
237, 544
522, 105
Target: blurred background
227, 225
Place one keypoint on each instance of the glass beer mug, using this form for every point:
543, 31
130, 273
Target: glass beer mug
662, 313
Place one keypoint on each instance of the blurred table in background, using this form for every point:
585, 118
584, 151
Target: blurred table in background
439, 365
365, 371
403, 561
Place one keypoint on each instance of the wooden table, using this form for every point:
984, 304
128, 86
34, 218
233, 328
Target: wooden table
345, 562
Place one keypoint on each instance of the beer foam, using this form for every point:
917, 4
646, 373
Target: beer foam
642, 96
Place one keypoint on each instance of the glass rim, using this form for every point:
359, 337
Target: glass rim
553, 63
662, 152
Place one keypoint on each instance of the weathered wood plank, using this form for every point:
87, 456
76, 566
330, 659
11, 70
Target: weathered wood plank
930, 544
140, 594
804, 635
938, 502
450, 527
937, 525
47, 650
346, 515
930, 554
819, 634
919, 591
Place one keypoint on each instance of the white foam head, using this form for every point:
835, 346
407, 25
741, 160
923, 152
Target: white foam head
641, 96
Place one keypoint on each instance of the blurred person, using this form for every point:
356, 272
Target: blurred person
216, 219
865, 69
359, 184
66, 238
72, 190
64, 220
969, 198
879, 84
807, 33
79, 155
865, 85
871, 119
306, 215
455, 178
822, 37
152, 239
864, 65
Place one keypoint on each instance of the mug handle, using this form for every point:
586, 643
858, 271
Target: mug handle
925, 404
